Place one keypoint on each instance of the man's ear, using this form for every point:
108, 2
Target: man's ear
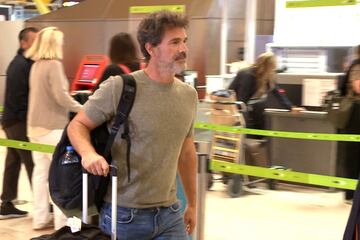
149, 48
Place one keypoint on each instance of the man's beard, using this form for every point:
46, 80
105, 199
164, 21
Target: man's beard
180, 62
179, 67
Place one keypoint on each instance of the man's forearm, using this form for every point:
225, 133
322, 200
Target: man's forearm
188, 179
187, 171
79, 136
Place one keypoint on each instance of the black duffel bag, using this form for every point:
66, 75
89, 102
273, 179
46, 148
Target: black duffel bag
88, 232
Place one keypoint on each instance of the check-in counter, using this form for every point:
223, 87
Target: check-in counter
293, 84
309, 156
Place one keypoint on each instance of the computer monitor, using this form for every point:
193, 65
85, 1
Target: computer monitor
190, 77
314, 90
88, 73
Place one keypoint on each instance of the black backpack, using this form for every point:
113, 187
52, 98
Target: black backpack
65, 181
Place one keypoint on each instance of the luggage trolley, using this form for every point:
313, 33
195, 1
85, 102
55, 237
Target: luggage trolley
227, 146
234, 147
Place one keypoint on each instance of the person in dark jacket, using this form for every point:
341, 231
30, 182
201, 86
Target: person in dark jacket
352, 149
123, 56
352, 226
256, 83
14, 124
257, 80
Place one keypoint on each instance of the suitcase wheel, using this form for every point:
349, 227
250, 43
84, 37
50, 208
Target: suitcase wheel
210, 181
272, 183
235, 186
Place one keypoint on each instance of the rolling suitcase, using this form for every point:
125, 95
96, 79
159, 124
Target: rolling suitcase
89, 232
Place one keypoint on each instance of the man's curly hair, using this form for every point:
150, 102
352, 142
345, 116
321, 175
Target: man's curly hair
152, 28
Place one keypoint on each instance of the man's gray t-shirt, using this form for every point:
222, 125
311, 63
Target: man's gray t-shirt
161, 118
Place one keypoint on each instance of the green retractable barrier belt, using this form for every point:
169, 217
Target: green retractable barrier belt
279, 174
283, 134
284, 175
27, 145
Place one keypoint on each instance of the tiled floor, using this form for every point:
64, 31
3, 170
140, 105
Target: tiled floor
290, 212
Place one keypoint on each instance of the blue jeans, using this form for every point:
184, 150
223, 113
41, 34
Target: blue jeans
160, 223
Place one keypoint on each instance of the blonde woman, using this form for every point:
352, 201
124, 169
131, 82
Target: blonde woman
257, 80
49, 106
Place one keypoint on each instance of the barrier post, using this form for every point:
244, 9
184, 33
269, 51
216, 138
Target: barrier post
202, 153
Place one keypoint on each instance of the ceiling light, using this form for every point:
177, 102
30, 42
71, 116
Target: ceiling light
69, 4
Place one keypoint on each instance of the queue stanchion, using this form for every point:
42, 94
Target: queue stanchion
202, 149
201, 194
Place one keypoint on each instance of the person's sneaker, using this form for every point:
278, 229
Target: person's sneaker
8, 210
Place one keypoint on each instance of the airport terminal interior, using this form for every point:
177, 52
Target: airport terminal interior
313, 43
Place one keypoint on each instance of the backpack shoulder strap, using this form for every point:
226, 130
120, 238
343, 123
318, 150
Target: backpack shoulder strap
126, 101
124, 68
123, 109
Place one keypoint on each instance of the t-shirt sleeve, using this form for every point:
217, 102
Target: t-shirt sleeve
101, 106
191, 132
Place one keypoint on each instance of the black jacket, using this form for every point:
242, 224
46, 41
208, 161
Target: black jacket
353, 222
244, 85
114, 70
17, 90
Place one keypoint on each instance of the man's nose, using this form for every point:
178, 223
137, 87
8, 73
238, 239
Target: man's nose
183, 47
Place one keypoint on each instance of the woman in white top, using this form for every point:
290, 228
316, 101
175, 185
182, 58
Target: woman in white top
49, 106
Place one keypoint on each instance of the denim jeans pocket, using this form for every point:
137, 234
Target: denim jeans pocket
124, 216
176, 207
105, 223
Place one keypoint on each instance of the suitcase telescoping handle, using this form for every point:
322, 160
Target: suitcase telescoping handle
113, 175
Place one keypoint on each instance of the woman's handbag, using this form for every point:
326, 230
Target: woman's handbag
339, 108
